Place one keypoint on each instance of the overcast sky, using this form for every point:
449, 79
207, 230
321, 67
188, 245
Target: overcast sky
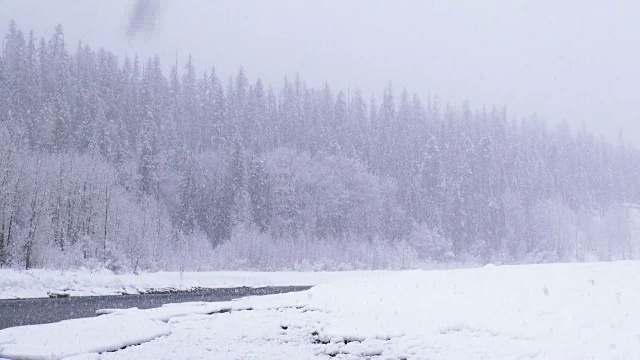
574, 60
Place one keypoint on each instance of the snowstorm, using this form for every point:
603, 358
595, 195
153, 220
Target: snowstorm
319, 179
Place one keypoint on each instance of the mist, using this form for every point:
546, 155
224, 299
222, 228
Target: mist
424, 173
572, 61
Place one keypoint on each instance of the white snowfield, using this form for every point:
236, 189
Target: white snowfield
560, 311
39, 283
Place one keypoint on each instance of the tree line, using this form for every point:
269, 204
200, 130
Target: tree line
110, 162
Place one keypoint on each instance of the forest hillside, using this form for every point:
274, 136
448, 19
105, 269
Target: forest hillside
115, 162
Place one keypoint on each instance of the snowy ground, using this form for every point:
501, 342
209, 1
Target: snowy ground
562, 311
39, 283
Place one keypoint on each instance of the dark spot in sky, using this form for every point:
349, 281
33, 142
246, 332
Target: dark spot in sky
143, 17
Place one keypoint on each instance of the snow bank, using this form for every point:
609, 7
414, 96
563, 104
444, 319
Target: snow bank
551, 311
39, 283
79, 336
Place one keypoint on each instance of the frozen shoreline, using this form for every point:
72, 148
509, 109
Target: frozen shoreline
39, 283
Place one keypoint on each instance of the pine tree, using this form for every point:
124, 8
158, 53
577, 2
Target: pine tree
144, 161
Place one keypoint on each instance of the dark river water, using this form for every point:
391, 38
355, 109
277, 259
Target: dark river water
45, 310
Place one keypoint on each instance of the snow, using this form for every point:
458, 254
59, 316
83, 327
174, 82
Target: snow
40, 282
80, 336
557, 311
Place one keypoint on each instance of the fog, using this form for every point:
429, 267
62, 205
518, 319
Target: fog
165, 165
573, 60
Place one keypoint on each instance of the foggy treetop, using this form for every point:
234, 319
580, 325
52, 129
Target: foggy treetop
111, 162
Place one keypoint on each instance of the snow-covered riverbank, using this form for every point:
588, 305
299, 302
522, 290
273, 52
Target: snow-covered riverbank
39, 283
556, 311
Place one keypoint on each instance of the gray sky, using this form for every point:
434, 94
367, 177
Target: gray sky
577, 60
